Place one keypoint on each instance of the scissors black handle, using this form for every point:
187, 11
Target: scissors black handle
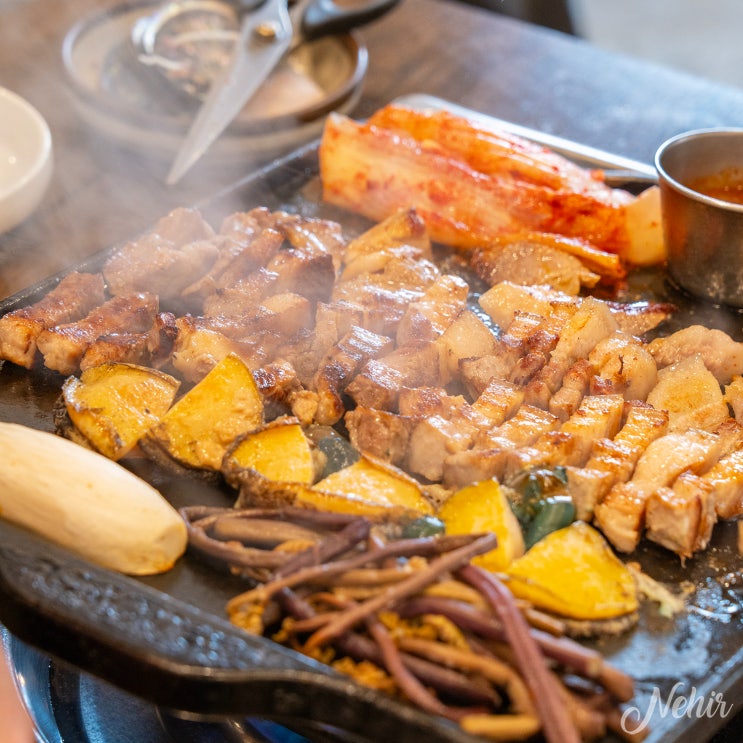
325, 17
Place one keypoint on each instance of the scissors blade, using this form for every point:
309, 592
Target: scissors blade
265, 36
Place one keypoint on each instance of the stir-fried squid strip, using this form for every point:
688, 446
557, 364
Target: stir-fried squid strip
416, 582
556, 722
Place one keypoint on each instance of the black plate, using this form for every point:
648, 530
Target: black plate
165, 639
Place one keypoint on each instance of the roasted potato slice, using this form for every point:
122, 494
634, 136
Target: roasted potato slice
113, 405
197, 431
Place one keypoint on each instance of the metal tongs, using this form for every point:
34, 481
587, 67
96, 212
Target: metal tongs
267, 34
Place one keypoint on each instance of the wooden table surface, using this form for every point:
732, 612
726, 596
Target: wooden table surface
103, 192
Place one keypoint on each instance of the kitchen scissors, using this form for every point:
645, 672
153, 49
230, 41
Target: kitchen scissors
268, 32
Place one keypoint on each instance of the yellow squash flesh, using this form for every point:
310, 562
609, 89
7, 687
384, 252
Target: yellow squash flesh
279, 452
113, 405
369, 488
202, 424
573, 572
483, 507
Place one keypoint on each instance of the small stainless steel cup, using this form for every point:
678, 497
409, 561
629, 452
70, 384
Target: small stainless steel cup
703, 235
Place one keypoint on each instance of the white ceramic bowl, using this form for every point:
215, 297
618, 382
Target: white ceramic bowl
25, 159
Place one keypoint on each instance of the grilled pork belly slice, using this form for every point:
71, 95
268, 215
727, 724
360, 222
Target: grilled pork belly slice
613, 461
403, 229
733, 396
302, 272
691, 394
311, 234
379, 382
158, 266
726, 480
499, 401
681, 517
70, 300
575, 386
152, 347
489, 454
385, 296
339, 367
199, 347
433, 440
491, 446
590, 324
380, 433
238, 262
597, 417
638, 318
428, 317
623, 365
720, 353
503, 300
63, 345
239, 298
467, 336
621, 515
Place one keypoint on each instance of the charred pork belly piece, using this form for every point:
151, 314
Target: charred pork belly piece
71, 299
504, 299
638, 318
576, 384
681, 517
236, 262
310, 274
691, 394
340, 365
380, 433
402, 230
152, 347
726, 480
591, 323
199, 348
63, 346
613, 460
240, 297
598, 416
312, 235
491, 448
379, 382
182, 226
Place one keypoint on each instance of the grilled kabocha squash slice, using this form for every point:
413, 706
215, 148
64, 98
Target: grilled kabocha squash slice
112, 406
